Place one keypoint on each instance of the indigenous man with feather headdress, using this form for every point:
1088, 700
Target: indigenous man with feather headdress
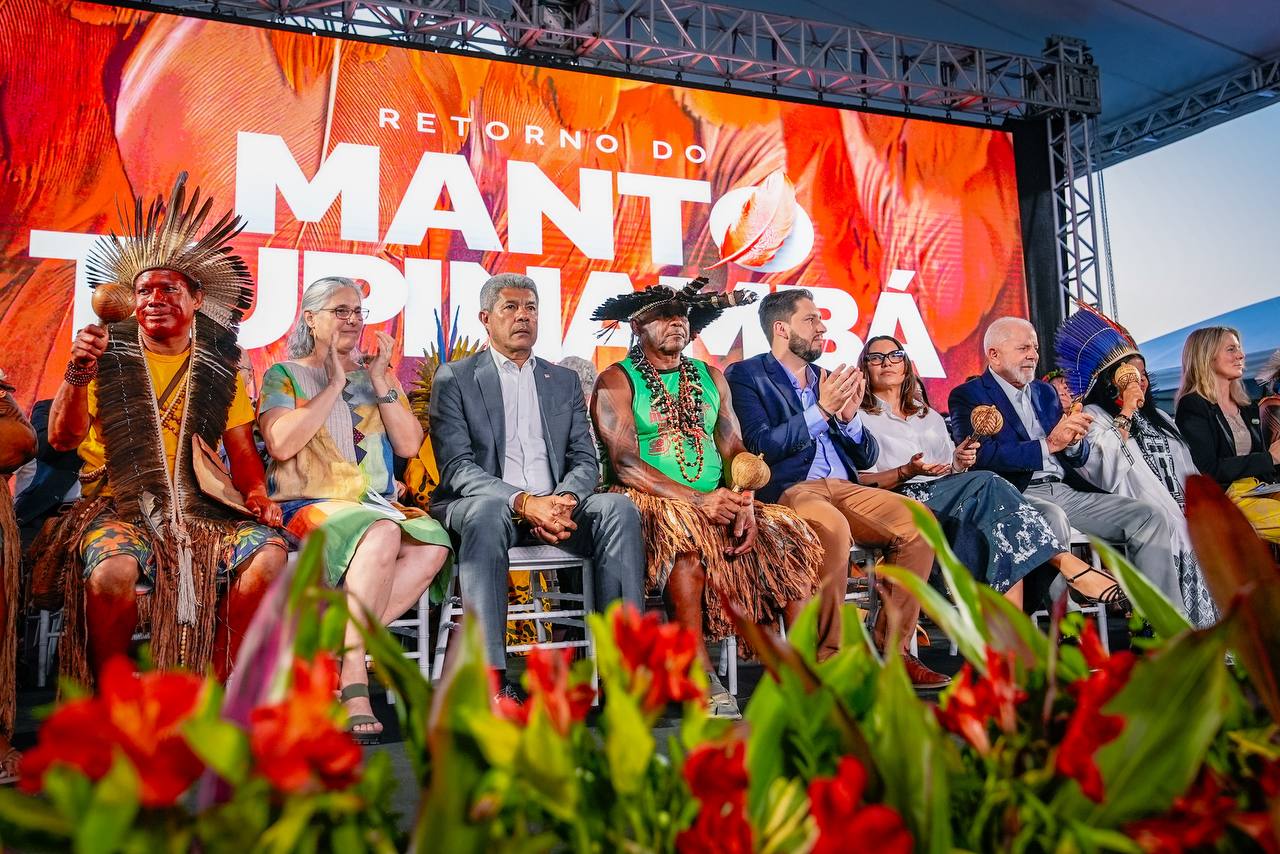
145, 400
669, 434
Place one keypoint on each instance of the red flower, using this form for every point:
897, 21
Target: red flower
717, 830
717, 776
1089, 729
717, 773
1197, 819
547, 677
141, 716
297, 744
845, 826
974, 700
659, 656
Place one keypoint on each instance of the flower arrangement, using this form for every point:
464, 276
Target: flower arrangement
1043, 743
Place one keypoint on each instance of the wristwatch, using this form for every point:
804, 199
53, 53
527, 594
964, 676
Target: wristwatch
391, 396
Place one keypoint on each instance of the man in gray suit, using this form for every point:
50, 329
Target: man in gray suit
513, 442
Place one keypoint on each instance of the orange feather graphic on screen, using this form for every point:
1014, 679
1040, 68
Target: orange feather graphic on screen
768, 215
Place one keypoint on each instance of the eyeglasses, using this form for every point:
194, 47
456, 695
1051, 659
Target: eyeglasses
344, 314
893, 357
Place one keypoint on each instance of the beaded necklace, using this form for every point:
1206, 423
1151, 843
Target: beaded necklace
681, 415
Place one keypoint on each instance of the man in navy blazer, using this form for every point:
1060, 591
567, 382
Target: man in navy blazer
807, 424
1038, 447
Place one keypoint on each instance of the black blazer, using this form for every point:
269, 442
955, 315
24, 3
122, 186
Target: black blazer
1208, 436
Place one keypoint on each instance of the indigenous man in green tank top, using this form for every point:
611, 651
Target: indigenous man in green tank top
668, 432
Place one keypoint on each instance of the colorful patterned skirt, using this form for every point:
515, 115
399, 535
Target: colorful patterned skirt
345, 524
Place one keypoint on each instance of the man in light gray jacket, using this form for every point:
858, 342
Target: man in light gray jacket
512, 439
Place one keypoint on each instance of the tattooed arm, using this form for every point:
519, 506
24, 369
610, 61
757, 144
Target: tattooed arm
616, 427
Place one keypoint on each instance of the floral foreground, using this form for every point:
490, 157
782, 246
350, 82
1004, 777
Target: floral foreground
1039, 745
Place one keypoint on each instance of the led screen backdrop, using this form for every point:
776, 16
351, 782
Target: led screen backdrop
423, 173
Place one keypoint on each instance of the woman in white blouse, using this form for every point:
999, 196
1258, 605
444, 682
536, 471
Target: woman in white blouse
994, 531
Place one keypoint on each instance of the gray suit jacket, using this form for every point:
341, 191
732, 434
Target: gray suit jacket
468, 432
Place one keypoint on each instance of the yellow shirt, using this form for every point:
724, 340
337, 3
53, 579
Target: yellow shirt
162, 369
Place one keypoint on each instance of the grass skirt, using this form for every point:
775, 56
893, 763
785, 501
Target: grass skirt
782, 568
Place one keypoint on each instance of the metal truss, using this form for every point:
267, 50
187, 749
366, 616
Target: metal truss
1203, 106
1071, 167
702, 43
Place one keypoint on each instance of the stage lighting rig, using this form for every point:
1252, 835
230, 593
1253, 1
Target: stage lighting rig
558, 24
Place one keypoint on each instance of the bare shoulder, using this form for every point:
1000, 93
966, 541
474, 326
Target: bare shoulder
613, 379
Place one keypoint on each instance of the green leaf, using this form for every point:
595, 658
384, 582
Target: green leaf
333, 628
800, 683
1165, 619
909, 749
803, 636
1009, 629
1097, 839
222, 746
767, 713
628, 743
1242, 576
960, 581
114, 804
958, 624
787, 825
288, 832
32, 814
458, 766
498, 739
68, 789
546, 762
346, 838
1173, 706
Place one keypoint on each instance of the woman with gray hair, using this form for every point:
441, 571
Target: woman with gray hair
333, 421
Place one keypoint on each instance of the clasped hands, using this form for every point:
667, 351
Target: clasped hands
725, 507
549, 516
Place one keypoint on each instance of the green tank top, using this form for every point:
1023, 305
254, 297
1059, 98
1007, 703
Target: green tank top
659, 449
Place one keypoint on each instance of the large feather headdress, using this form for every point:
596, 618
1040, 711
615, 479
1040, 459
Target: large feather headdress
701, 308
1087, 343
166, 236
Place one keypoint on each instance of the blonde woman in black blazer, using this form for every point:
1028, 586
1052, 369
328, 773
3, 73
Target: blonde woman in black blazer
1222, 428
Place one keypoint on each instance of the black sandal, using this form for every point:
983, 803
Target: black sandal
361, 737
1113, 598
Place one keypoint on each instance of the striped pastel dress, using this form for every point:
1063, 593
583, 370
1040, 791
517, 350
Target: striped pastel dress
354, 435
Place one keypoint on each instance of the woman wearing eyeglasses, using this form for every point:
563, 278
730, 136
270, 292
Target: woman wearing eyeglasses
333, 422
994, 531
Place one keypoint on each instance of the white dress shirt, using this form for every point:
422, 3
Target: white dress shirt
900, 439
525, 466
1021, 400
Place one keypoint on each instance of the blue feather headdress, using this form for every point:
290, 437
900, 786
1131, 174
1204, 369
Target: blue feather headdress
1087, 343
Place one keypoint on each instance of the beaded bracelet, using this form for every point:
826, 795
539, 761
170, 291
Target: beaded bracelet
78, 376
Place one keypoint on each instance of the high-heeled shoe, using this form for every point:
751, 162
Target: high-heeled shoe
1113, 598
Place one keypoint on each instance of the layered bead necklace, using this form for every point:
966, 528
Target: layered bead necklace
681, 414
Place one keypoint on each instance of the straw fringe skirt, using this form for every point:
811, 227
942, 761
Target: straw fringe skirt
10, 555
782, 568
